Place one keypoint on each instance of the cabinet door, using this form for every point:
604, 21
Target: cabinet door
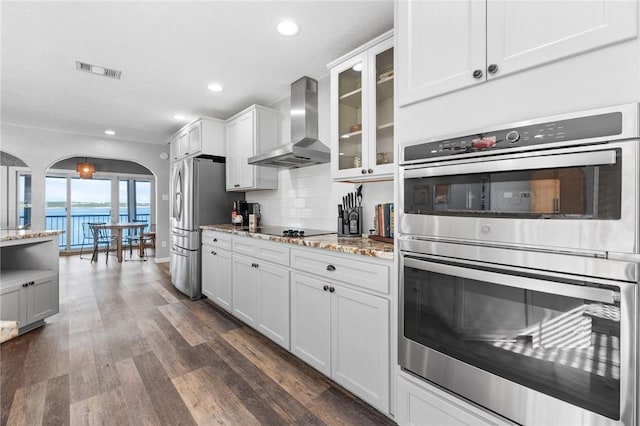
311, 322
173, 149
245, 289
240, 143
223, 286
360, 345
245, 146
233, 154
348, 98
13, 304
380, 150
42, 299
183, 144
273, 303
439, 46
525, 34
209, 271
195, 138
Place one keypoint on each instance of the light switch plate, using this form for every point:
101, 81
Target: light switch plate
165, 197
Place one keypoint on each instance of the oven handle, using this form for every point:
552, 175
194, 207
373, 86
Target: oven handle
552, 287
593, 158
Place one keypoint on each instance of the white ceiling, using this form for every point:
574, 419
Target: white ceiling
168, 53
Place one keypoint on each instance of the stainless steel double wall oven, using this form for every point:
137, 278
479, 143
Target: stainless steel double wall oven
519, 266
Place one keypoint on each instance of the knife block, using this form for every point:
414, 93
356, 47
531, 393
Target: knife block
347, 228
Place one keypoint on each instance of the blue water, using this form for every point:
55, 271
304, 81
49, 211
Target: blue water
90, 211
56, 218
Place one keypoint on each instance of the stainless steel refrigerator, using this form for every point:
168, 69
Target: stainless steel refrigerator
198, 197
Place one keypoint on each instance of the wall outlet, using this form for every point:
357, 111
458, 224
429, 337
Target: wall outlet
163, 243
165, 197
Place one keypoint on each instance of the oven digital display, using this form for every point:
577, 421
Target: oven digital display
600, 125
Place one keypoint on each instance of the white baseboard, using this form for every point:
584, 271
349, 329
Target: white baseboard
161, 260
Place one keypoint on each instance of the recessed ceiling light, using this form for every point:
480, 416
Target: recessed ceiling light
357, 67
215, 87
179, 117
287, 28
109, 132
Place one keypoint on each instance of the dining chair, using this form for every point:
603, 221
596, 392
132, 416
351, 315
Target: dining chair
101, 236
136, 236
87, 237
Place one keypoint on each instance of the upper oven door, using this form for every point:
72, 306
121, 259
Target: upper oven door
570, 199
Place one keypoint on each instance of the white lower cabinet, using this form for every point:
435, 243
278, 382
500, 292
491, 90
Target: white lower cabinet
330, 310
420, 404
245, 289
343, 333
311, 322
28, 296
261, 297
216, 276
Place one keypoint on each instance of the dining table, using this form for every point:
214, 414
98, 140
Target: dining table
119, 229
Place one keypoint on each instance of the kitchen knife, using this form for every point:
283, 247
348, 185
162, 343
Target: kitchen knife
359, 195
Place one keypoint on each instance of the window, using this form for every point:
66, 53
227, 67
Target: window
135, 200
71, 201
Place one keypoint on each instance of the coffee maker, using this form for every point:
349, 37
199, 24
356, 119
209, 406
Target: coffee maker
241, 211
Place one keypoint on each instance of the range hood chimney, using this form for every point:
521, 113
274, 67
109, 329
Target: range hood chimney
305, 149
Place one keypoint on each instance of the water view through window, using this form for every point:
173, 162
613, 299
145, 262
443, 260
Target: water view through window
70, 202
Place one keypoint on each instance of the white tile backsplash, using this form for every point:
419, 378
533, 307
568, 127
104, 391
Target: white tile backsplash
308, 198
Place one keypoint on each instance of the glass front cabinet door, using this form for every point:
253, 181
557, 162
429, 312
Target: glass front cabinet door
362, 112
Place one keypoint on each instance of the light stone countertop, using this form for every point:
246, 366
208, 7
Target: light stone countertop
13, 234
361, 246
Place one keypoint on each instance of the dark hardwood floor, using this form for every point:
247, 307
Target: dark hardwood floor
127, 348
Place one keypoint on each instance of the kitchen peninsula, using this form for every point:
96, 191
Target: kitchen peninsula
28, 277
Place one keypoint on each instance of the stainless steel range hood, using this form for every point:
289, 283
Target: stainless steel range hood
305, 148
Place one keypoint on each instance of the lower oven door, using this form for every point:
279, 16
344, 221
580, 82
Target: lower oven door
537, 350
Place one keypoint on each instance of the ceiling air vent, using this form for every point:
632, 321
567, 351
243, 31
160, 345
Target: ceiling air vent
98, 70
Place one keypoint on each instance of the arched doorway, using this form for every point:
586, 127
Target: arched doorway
118, 191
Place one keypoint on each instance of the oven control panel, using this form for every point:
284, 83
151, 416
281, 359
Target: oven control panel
594, 126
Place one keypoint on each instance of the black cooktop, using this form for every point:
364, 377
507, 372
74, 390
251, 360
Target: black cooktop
284, 231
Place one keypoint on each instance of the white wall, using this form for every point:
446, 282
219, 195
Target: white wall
40, 148
308, 197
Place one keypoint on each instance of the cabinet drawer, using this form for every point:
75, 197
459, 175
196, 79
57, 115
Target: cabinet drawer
372, 276
217, 239
421, 404
266, 250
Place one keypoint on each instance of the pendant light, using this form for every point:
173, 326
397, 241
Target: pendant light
85, 169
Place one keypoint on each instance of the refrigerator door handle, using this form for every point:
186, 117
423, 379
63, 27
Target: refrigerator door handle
178, 200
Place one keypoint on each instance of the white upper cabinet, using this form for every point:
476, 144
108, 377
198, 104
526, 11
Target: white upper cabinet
440, 46
249, 133
362, 112
447, 46
205, 136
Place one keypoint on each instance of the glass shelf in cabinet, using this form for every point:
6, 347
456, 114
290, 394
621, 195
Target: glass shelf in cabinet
353, 135
352, 99
384, 89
